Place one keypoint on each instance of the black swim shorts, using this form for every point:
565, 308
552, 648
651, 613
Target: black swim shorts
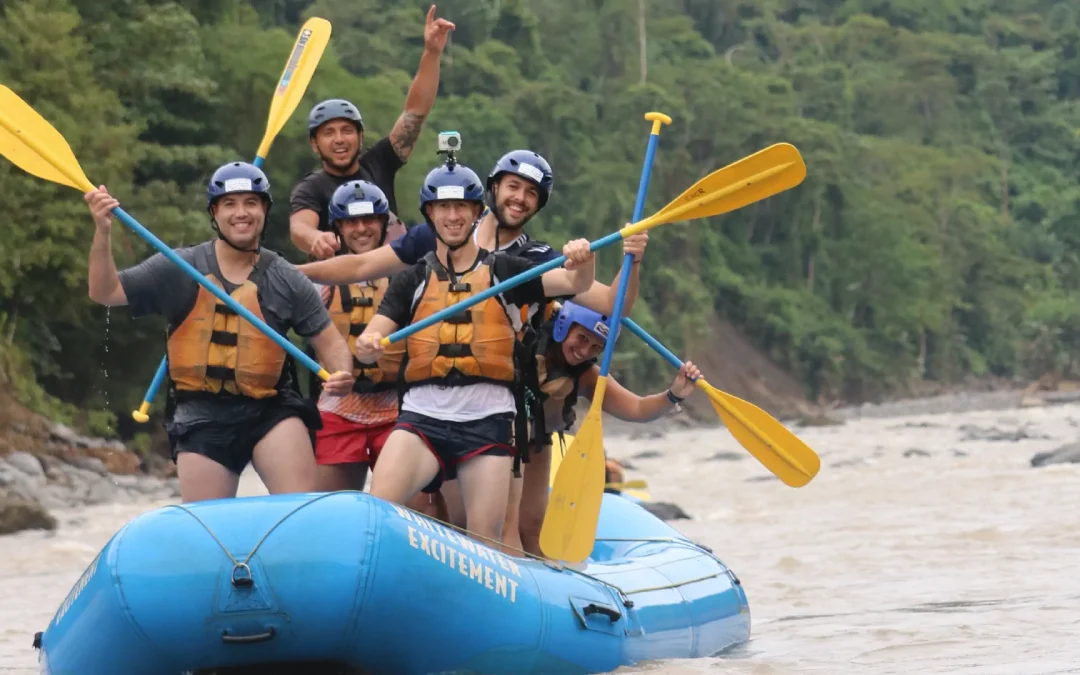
228, 430
455, 442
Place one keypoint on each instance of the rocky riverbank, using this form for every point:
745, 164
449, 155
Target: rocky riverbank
45, 465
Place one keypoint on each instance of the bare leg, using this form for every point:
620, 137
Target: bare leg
455, 505
534, 499
202, 478
424, 503
511, 537
346, 476
405, 467
485, 485
284, 458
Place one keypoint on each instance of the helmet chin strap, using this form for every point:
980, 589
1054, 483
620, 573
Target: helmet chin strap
454, 247
222, 237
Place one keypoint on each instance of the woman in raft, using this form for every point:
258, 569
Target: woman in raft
570, 341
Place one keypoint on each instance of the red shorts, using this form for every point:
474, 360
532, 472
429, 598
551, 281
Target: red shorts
341, 441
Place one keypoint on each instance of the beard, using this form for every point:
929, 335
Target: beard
340, 165
505, 219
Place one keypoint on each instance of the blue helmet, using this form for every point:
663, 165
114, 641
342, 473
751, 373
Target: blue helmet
238, 177
358, 198
333, 109
530, 166
571, 313
446, 182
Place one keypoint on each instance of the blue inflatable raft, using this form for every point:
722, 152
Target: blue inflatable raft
346, 583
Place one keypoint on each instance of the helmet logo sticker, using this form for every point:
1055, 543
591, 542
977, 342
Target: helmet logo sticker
360, 208
531, 171
450, 192
601, 329
238, 185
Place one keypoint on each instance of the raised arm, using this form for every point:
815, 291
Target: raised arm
424, 87
576, 276
103, 280
601, 297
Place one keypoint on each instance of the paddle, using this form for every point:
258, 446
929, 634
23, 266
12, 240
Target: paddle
35, 146
628, 485
573, 511
779, 450
765, 173
634, 488
306, 53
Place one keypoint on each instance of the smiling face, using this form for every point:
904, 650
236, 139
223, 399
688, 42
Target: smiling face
581, 345
338, 144
516, 200
241, 217
453, 219
362, 233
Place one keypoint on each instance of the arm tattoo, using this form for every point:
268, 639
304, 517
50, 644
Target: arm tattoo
404, 134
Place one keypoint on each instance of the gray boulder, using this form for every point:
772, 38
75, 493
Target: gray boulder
1066, 454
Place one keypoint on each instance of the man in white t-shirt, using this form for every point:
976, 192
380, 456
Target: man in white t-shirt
461, 375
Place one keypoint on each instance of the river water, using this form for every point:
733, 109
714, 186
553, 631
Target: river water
927, 544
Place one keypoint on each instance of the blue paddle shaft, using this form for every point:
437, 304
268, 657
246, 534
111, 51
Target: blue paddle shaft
218, 292
652, 342
532, 273
159, 376
628, 259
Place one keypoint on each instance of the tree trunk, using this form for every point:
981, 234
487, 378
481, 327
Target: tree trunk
815, 225
642, 40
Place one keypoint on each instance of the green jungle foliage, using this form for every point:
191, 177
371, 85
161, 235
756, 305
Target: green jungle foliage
935, 237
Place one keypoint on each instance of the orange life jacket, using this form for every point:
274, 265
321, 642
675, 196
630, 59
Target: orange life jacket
351, 314
476, 345
212, 349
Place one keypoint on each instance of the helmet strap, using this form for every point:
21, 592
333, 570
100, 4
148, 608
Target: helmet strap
233, 246
222, 237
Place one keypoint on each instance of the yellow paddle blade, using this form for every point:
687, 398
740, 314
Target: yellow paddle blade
35, 146
761, 175
628, 485
779, 450
569, 529
304, 59
558, 450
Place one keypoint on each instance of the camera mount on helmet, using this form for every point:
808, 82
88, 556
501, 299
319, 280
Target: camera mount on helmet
449, 144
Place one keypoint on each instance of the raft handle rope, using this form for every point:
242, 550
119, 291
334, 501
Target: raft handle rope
247, 581
238, 565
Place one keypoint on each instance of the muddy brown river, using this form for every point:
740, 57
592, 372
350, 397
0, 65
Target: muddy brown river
927, 544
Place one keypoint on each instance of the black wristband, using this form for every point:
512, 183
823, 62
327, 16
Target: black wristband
675, 400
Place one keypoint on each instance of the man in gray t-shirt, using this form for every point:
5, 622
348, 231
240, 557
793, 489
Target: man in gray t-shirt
235, 394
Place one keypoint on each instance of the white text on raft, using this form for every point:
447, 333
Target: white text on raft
468, 564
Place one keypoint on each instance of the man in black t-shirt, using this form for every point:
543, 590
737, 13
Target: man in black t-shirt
336, 134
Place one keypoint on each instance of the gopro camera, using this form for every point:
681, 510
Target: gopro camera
449, 141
